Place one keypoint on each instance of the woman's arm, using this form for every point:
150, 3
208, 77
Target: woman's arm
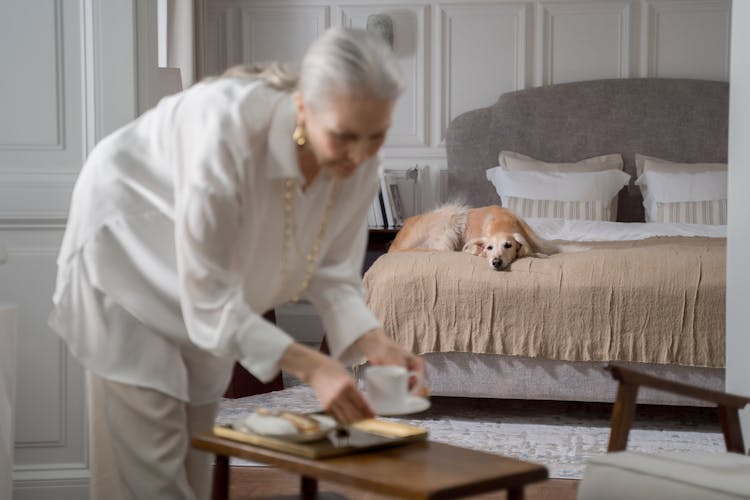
352, 330
334, 387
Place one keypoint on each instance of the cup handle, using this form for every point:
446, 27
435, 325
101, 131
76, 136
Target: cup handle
419, 385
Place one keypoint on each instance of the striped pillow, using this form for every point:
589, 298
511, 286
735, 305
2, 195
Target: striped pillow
580, 210
692, 212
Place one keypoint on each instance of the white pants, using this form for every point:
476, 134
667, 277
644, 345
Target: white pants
140, 444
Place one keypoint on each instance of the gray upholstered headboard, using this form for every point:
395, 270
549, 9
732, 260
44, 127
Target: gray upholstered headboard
675, 119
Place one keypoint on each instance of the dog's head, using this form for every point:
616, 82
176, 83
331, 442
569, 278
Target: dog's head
500, 249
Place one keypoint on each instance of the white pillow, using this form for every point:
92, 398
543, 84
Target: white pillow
518, 161
685, 186
662, 187
572, 187
643, 163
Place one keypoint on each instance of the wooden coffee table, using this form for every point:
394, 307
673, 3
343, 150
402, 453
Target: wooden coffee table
417, 470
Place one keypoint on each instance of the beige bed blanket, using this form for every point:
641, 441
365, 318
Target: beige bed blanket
660, 300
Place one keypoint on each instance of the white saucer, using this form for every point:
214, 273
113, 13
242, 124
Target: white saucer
412, 404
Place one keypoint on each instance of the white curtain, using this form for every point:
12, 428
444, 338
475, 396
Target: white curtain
180, 37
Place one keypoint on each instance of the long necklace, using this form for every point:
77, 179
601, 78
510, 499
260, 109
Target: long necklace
311, 258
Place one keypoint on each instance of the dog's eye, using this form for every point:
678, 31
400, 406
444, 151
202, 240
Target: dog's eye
489, 247
508, 244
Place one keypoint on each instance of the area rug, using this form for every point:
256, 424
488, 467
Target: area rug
560, 435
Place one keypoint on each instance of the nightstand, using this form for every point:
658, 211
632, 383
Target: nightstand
378, 241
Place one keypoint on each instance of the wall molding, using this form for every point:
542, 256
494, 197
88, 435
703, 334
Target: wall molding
67, 482
321, 15
448, 12
35, 195
550, 11
418, 70
59, 71
653, 11
62, 380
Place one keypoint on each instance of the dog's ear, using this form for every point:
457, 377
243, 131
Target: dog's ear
475, 246
524, 249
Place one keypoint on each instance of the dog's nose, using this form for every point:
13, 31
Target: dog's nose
497, 263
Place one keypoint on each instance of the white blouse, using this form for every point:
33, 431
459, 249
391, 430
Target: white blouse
173, 248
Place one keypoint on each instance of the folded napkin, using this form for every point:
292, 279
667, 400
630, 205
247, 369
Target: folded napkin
287, 424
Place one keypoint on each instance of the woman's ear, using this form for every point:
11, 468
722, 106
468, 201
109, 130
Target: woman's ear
299, 103
475, 246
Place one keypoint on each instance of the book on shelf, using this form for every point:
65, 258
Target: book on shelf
381, 207
371, 220
377, 217
401, 191
386, 205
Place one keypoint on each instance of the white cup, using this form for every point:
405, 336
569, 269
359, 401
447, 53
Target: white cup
387, 387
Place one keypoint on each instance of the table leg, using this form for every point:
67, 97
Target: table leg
515, 493
309, 488
221, 478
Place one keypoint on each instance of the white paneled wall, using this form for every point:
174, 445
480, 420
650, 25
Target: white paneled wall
43, 139
584, 41
668, 53
73, 72
410, 117
77, 69
460, 55
483, 51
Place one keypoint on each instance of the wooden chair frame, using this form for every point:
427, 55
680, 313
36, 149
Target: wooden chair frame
627, 391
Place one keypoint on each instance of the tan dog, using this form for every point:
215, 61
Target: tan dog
492, 232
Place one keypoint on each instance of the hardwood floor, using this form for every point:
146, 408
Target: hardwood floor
254, 482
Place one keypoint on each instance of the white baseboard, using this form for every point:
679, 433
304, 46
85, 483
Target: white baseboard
57, 488
69, 481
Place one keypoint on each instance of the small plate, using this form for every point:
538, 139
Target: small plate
412, 404
279, 428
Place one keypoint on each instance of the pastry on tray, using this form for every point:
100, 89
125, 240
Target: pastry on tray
287, 425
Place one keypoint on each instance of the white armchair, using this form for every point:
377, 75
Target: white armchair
621, 474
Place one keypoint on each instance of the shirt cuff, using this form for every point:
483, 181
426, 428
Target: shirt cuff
344, 323
261, 346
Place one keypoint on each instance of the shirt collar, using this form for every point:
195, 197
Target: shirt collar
282, 150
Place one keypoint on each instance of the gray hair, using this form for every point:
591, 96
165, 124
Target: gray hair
341, 61
277, 75
349, 61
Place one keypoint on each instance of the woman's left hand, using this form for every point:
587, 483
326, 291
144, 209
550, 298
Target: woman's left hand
381, 350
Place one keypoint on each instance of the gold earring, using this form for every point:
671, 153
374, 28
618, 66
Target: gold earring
299, 136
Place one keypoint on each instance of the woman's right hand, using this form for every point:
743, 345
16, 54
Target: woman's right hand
338, 393
335, 388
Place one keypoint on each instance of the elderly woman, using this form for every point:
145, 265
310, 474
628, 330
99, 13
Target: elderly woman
234, 196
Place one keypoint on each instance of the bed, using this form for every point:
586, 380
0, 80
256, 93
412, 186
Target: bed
650, 294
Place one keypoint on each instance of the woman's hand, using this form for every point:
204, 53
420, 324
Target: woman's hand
382, 350
333, 385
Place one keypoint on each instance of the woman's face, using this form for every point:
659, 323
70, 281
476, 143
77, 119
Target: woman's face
345, 133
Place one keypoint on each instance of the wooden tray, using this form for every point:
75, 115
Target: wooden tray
364, 435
